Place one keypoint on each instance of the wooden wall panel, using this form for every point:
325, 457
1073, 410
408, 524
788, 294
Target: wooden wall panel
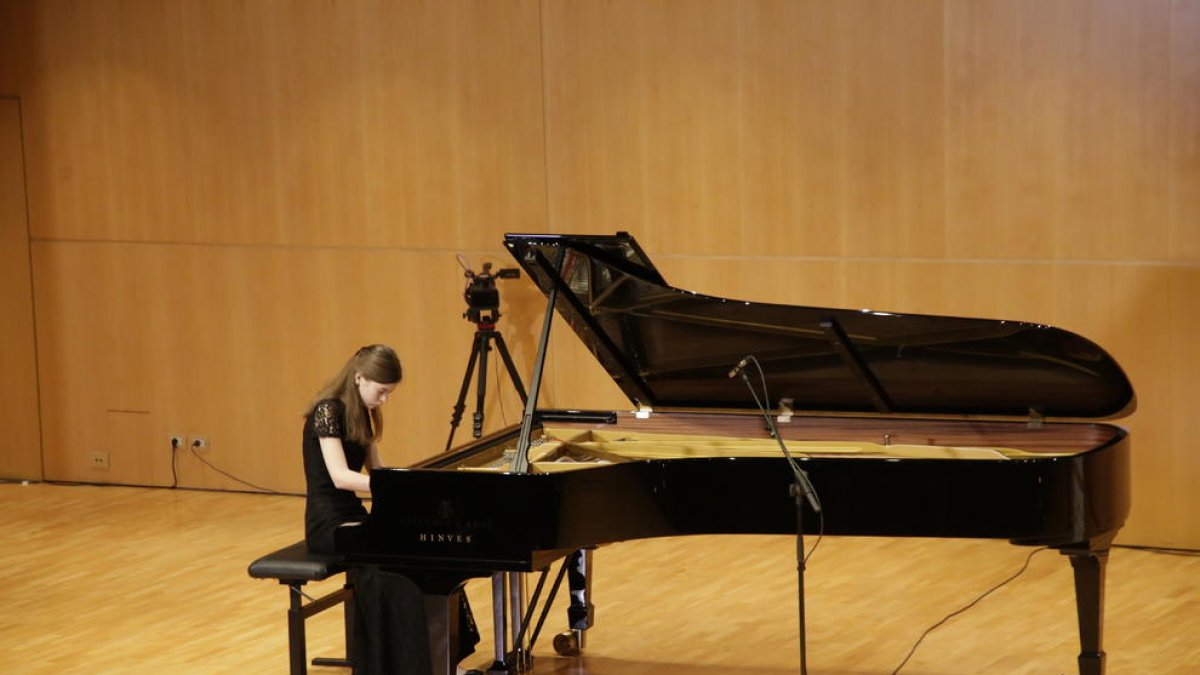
21, 455
1170, 494
748, 128
14, 46
338, 124
1185, 132
230, 343
227, 198
1057, 129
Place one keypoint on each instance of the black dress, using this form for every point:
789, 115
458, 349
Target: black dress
327, 507
390, 634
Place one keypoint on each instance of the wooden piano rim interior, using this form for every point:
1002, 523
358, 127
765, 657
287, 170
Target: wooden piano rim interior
841, 437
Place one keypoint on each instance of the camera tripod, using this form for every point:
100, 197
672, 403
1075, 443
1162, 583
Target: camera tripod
485, 334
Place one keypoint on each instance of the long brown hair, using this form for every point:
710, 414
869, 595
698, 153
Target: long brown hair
377, 363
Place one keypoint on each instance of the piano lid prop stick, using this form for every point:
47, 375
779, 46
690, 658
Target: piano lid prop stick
520, 463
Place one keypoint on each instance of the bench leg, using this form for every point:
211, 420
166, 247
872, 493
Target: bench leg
347, 595
298, 612
297, 649
348, 611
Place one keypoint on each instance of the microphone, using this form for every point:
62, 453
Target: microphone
802, 484
741, 365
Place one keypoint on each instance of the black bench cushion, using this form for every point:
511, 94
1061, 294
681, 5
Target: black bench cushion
296, 563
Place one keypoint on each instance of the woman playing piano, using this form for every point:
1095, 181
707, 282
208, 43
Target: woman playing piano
341, 430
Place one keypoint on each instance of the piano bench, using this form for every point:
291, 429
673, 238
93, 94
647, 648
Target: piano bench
295, 566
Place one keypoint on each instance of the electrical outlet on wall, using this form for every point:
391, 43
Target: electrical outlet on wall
177, 441
199, 442
99, 460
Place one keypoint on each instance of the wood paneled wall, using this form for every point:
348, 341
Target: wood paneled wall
227, 198
22, 455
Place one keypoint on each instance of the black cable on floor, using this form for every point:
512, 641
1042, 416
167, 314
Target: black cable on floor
969, 605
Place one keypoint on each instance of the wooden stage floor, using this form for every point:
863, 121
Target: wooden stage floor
137, 580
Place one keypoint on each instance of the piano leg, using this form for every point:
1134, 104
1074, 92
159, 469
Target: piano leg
508, 602
516, 614
1089, 560
499, 621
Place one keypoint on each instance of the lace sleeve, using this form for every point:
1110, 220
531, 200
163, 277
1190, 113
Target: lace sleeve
327, 419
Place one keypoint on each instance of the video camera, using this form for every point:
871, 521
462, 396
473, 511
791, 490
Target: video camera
481, 294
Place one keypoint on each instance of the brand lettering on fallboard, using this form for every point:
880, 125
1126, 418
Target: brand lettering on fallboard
443, 538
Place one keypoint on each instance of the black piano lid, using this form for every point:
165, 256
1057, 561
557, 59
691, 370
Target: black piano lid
669, 348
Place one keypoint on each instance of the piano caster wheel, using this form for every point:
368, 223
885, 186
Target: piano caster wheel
569, 643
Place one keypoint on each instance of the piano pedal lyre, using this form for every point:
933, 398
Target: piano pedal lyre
581, 613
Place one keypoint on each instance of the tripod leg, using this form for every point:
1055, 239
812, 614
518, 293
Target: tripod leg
481, 349
456, 414
512, 369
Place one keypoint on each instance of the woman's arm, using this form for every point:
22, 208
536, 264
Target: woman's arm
335, 463
373, 457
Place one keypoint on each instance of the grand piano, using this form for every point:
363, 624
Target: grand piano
906, 425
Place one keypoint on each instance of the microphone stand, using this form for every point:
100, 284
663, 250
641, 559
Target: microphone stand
801, 491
